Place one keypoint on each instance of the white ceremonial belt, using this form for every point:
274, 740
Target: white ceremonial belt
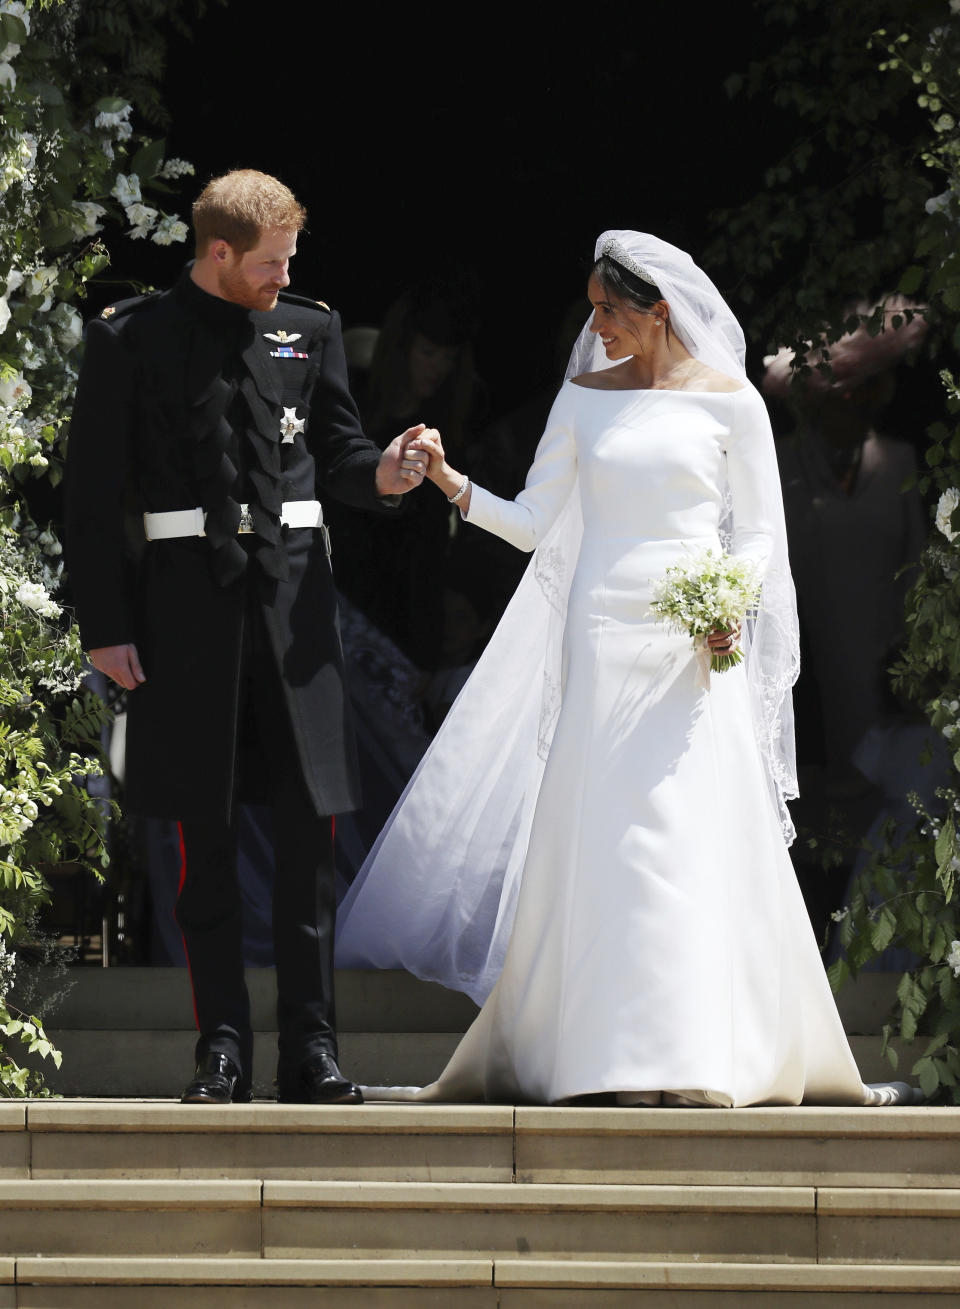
191, 522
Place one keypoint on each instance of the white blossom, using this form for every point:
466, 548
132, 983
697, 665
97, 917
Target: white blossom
953, 958
49, 543
14, 280
170, 229
8, 78
68, 325
15, 392
28, 149
127, 189
174, 168
839, 915
945, 507
41, 282
88, 217
4, 314
106, 121
33, 596
141, 219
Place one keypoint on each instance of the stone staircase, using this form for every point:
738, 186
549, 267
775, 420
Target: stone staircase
151, 1204
129, 1031
147, 1204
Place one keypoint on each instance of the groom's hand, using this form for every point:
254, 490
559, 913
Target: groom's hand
401, 469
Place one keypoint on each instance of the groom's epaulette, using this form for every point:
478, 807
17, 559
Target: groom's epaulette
303, 303
124, 307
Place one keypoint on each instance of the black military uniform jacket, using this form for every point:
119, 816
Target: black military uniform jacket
184, 400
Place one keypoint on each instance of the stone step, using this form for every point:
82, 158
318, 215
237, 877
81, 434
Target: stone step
462, 1220
158, 999
157, 1283
147, 1063
807, 1146
387, 1142
111, 1217
129, 1031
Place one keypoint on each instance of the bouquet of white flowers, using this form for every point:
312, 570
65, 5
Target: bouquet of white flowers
708, 592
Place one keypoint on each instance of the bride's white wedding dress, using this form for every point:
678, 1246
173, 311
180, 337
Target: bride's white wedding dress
660, 942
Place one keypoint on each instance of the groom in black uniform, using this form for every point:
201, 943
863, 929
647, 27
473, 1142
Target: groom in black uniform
208, 421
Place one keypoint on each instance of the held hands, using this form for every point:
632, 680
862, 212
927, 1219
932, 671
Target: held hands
121, 663
402, 465
428, 443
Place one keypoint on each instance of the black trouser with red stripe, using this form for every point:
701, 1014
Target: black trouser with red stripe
304, 900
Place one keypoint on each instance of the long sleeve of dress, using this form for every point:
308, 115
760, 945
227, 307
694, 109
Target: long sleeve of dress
754, 479
524, 521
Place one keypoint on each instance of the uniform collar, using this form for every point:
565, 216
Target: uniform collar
213, 309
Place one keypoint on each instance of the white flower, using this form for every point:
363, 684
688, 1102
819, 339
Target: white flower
68, 326
174, 168
28, 150
15, 392
839, 915
49, 543
40, 282
33, 596
127, 189
88, 217
141, 218
14, 280
113, 120
4, 314
945, 507
170, 229
8, 78
953, 958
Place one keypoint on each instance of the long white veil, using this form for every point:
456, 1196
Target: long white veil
437, 894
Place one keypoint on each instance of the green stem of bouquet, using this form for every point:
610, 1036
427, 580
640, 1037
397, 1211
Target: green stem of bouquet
719, 663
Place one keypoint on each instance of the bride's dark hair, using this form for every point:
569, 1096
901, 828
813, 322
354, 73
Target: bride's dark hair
624, 284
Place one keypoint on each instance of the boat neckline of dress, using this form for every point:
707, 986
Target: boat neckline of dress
649, 390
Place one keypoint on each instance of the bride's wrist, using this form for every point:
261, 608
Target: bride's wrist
448, 480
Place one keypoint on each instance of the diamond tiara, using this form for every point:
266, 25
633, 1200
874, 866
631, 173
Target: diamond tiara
615, 251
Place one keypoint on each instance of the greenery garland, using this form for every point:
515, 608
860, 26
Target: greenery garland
881, 215
71, 162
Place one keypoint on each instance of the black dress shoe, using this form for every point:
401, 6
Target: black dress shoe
216, 1080
317, 1080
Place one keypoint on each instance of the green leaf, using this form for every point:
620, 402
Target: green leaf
882, 930
148, 159
937, 1043
911, 279
47, 93
929, 1076
12, 30
110, 104
837, 974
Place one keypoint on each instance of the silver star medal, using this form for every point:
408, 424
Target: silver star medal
290, 425
282, 337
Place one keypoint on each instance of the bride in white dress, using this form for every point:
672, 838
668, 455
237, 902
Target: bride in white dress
595, 846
